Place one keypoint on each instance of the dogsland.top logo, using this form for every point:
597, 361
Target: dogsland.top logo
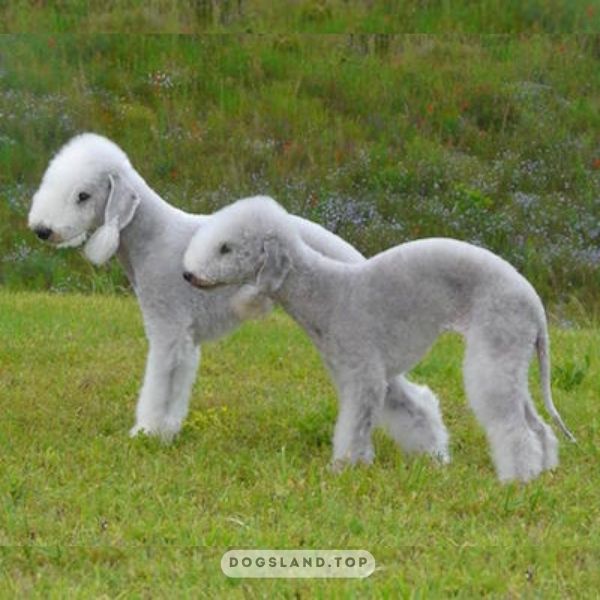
297, 563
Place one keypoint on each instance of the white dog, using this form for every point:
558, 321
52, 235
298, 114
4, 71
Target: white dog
91, 187
375, 319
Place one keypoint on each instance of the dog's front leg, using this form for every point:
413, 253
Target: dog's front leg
163, 402
361, 397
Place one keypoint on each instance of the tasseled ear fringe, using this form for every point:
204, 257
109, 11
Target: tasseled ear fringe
249, 303
103, 243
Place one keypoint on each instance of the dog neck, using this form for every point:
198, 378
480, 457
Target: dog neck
149, 220
307, 292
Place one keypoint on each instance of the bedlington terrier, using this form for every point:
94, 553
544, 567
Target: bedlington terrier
90, 186
374, 319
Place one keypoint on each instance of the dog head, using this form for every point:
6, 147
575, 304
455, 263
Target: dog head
240, 244
85, 189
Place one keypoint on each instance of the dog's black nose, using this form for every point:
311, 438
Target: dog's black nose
43, 232
187, 276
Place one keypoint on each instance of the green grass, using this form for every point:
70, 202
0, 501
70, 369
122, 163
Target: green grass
381, 137
308, 16
88, 512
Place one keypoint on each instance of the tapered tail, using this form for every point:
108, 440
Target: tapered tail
542, 347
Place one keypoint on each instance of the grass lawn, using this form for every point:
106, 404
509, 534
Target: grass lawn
86, 511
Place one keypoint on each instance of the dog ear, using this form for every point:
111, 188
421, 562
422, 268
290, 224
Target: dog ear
120, 207
276, 265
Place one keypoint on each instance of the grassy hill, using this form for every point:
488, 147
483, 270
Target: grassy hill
492, 139
306, 16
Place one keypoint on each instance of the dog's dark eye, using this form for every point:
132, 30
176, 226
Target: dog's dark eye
225, 249
83, 196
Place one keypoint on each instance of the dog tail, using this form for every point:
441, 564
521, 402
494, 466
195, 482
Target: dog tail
542, 344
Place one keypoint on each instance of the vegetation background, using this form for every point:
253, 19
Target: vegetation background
493, 139
384, 120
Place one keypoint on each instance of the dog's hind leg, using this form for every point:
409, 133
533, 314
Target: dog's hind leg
495, 374
411, 415
545, 435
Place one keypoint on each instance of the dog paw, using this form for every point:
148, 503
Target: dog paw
169, 429
338, 465
365, 458
139, 429
165, 431
440, 457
